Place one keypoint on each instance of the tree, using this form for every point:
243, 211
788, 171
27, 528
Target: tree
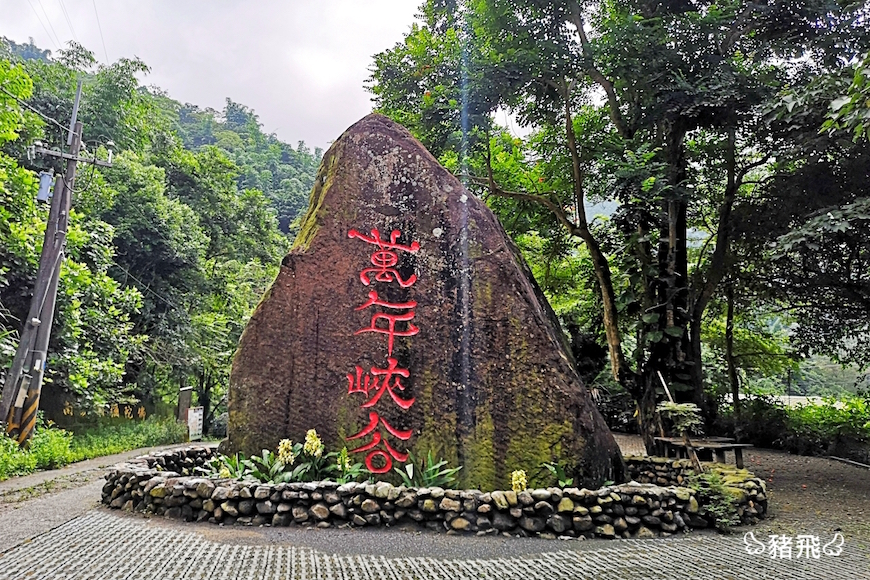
168, 251
94, 336
683, 86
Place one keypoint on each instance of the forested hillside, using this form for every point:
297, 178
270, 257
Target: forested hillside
168, 250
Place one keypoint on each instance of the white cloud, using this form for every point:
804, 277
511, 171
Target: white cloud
300, 64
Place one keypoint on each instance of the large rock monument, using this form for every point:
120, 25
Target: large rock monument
405, 320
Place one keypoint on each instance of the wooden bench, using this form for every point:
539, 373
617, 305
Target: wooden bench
705, 448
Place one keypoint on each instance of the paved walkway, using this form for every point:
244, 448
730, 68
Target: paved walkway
110, 546
73, 540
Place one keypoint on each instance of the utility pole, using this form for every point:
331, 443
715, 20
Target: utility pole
19, 399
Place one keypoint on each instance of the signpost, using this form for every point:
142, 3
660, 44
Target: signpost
194, 423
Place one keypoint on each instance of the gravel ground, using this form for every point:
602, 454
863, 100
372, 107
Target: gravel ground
808, 495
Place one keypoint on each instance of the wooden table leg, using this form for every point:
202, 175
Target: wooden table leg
720, 456
738, 457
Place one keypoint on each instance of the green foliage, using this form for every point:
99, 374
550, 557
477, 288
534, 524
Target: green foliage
293, 462
13, 461
763, 421
285, 175
168, 251
108, 437
315, 467
690, 145
427, 473
346, 469
267, 468
229, 466
558, 472
813, 429
850, 112
52, 447
717, 501
685, 417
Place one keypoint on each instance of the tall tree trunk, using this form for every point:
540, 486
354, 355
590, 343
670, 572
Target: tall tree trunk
674, 361
600, 264
648, 420
703, 290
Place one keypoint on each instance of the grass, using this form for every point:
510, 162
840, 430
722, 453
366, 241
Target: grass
52, 447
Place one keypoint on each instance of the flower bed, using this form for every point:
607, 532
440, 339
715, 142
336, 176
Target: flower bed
163, 484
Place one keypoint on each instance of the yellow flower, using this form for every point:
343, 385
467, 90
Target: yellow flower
285, 452
343, 461
313, 445
518, 480
224, 471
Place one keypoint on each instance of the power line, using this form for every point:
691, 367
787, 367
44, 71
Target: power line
49, 21
148, 288
43, 25
68, 21
38, 112
100, 28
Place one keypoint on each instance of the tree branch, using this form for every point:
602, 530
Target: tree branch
494, 189
596, 75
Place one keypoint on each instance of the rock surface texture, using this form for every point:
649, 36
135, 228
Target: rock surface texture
404, 319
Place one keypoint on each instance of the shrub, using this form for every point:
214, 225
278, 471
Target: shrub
718, 503
111, 437
50, 447
811, 429
763, 422
13, 461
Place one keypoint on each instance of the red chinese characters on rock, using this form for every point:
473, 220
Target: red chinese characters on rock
379, 381
390, 319
374, 387
385, 258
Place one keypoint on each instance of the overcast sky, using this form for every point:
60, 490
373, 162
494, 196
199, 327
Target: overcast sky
300, 64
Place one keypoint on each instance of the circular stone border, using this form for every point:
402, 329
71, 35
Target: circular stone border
163, 484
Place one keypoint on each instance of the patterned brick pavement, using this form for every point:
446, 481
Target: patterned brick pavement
102, 545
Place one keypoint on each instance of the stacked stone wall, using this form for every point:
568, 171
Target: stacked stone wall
749, 492
165, 484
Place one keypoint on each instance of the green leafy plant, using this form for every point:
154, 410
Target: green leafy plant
50, 447
268, 468
558, 471
314, 464
107, 437
347, 469
228, 466
428, 473
715, 499
685, 417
